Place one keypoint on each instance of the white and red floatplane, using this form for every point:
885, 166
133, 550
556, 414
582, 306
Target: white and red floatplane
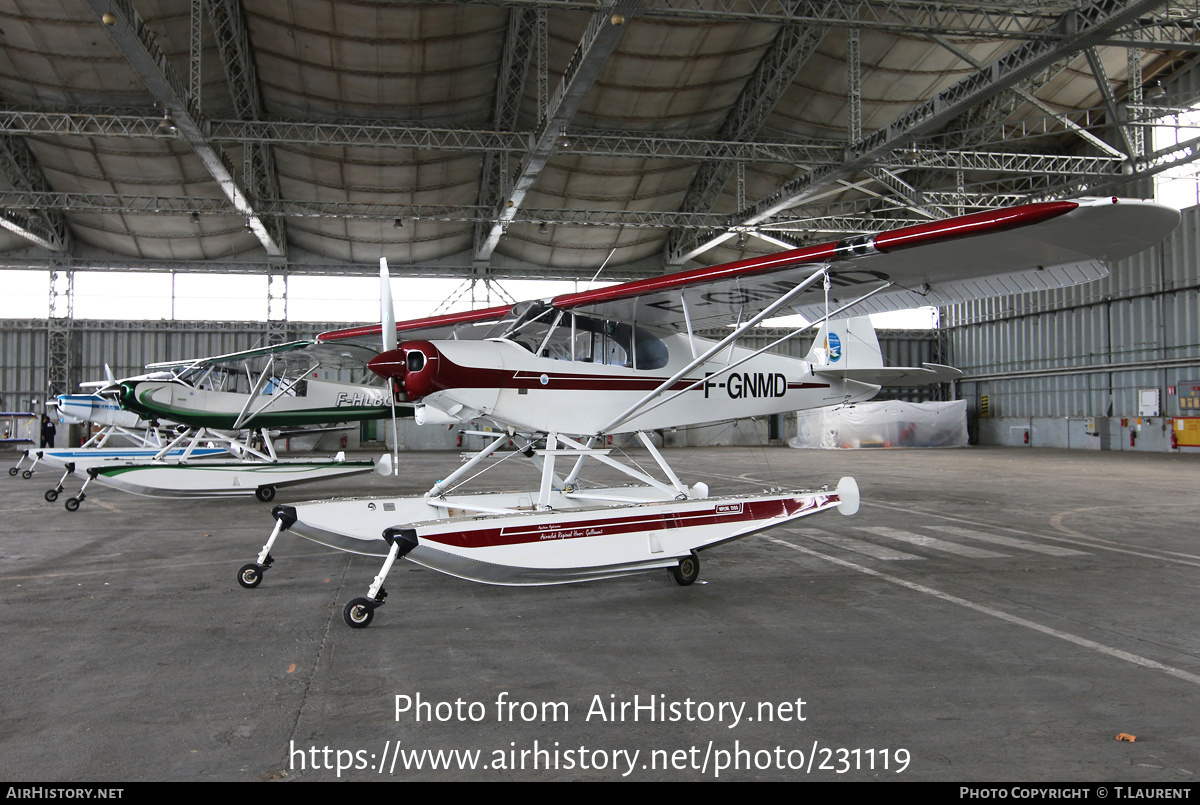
562, 374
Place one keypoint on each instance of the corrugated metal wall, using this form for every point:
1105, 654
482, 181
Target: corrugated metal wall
126, 346
1086, 351
23, 367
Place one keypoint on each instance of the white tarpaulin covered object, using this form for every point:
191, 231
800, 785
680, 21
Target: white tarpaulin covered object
884, 424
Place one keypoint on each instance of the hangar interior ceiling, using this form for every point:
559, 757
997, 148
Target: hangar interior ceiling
554, 138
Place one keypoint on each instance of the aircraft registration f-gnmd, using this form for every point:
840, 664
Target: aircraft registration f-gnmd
560, 375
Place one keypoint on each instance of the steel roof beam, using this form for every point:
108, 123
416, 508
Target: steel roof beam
1083, 27
229, 30
1038, 102
909, 196
129, 33
524, 44
604, 144
888, 209
599, 40
405, 134
367, 210
43, 227
776, 71
932, 184
457, 266
1100, 74
1172, 26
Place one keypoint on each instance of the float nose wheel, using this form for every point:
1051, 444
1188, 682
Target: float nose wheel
72, 504
250, 576
359, 613
52, 494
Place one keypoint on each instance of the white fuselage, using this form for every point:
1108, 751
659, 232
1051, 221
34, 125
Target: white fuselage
321, 402
506, 382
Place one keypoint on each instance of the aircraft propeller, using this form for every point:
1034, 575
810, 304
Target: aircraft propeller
387, 320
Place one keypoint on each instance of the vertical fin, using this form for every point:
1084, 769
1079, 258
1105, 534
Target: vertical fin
846, 344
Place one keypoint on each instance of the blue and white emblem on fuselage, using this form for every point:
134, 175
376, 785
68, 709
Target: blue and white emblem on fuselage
833, 346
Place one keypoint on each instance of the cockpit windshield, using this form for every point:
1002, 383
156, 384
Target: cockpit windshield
235, 378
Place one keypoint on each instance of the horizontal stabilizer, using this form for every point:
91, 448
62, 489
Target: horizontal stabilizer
924, 375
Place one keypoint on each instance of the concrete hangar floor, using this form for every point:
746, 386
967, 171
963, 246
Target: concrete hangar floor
990, 614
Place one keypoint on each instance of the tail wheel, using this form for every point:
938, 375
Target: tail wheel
687, 571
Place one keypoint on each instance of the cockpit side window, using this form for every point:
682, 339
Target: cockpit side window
616, 343
590, 340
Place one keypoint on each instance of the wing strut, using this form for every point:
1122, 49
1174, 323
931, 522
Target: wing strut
769, 346
603, 457
442, 486
687, 319
662, 464
273, 398
728, 340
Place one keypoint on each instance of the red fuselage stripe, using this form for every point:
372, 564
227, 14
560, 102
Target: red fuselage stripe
442, 374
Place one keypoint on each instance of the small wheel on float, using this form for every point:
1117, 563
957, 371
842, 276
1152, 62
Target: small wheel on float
265, 493
687, 571
359, 612
250, 576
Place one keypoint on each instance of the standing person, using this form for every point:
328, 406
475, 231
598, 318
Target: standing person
48, 431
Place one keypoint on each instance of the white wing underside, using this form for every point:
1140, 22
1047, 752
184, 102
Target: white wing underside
1037, 247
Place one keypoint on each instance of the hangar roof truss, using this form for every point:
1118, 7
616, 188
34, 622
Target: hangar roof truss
548, 138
